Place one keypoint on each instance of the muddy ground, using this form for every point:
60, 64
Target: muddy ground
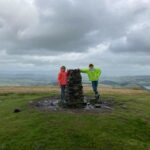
52, 104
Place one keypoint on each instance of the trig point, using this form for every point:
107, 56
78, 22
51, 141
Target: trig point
74, 90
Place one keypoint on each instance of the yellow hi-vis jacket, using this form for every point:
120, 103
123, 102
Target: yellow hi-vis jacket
93, 74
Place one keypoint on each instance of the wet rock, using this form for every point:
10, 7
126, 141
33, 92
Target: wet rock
105, 106
98, 105
89, 107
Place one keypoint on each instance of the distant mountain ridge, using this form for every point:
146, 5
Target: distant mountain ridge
127, 81
34, 79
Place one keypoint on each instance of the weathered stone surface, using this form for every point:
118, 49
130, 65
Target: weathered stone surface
74, 90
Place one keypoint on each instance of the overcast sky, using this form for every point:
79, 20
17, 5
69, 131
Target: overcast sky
42, 35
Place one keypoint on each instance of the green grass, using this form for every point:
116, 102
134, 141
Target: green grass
123, 129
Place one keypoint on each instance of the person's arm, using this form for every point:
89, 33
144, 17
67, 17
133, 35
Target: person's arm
84, 70
98, 72
59, 78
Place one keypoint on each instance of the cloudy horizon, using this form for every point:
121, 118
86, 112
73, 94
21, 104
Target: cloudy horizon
42, 35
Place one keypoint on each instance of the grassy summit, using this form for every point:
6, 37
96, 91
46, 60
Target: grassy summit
125, 128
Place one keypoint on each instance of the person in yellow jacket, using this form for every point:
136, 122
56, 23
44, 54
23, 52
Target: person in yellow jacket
93, 75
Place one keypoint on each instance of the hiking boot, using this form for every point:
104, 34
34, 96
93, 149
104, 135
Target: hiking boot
98, 98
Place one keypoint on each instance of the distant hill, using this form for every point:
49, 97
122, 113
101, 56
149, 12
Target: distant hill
24, 79
36, 79
108, 82
142, 82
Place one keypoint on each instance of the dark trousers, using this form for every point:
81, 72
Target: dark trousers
63, 92
95, 86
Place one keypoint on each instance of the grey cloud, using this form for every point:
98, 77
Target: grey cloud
51, 33
135, 41
51, 26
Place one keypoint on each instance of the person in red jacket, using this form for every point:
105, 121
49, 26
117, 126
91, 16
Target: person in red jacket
62, 81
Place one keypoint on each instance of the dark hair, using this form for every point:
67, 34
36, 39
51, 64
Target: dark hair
63, 67
91, 65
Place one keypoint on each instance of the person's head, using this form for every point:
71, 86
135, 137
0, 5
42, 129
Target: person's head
63, 68
91, 66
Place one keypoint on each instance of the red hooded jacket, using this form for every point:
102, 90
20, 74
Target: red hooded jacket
62, 77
